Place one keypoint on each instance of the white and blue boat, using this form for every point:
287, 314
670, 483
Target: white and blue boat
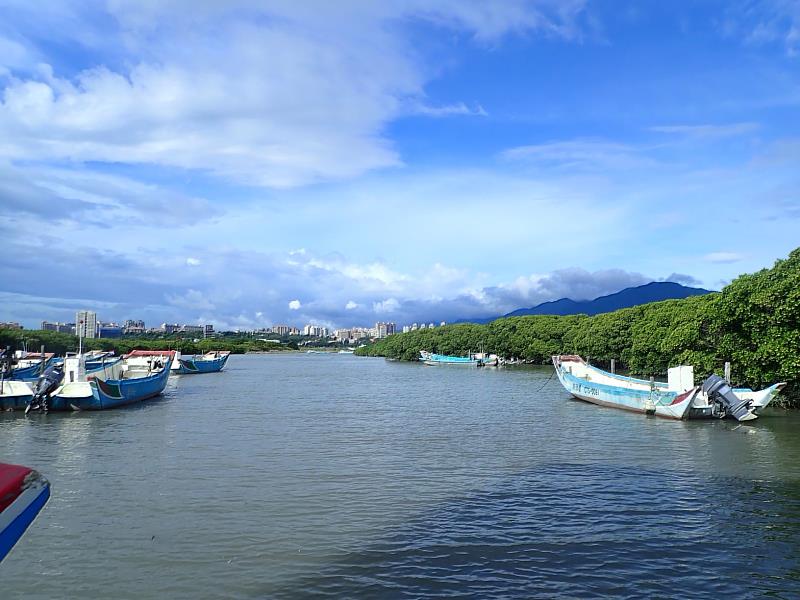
28, 366
210, 362
97, 359
17, 395
677, 398
23, 494
138, 376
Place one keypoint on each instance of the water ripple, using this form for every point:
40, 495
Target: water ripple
333, 476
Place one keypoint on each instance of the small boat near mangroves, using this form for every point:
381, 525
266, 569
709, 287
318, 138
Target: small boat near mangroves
23, 494
138, 376
210, 362
471, 360
678, 398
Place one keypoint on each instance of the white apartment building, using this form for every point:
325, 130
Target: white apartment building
86, 324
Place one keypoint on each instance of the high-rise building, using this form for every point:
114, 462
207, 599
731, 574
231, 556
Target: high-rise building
134, 326
208, 331
384, 329
86, 324
282, 329
315, 331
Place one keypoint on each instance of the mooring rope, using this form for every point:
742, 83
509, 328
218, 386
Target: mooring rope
544, 385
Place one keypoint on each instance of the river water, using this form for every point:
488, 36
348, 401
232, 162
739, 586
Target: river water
313, 475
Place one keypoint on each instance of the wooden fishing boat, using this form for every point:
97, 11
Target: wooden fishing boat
210, 362
23, 494
678, 398
136, 377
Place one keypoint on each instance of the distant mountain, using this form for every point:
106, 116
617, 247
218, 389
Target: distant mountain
633, 296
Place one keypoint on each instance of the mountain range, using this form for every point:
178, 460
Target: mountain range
632, 296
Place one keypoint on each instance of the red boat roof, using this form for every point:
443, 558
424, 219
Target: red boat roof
11, 479
170, 353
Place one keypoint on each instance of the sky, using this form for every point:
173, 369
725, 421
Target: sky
252, 163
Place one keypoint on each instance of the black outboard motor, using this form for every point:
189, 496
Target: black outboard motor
45, 385
720, 391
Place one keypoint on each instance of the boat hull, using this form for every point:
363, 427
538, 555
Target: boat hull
189, 366
15, 395
30, 373
432, 359
461, 363
97, 394
23, 494
669, 405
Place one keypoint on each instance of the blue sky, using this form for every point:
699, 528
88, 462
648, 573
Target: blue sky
253, 163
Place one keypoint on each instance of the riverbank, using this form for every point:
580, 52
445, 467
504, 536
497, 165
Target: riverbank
752, 323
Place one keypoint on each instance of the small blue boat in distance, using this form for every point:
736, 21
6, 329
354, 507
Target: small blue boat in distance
210, 362
23, 494
473, 360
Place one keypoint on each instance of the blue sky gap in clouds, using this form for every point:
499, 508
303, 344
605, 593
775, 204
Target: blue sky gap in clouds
252, 163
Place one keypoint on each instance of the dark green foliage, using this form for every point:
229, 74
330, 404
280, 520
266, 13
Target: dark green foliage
63, 342
754, 323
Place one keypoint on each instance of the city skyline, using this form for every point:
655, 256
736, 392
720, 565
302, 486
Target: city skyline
249, 164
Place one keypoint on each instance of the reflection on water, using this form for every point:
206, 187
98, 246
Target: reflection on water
332, 475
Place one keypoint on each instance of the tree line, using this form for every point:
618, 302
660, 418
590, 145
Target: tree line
754, 323
61, 343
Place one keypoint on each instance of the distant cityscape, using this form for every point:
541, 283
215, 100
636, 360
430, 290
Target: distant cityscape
87, 325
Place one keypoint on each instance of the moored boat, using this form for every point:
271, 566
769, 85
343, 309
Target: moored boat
210, 362
23, 494
136, 377
15, 395
678, 398
471, 360
29, 365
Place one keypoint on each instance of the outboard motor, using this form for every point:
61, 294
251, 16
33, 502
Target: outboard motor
719, 391
47, 383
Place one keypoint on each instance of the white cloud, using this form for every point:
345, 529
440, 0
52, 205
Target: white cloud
294, 305
451, 109
581, 154
193, 300
389, 305
193, 262
708, 130
765, 22
274, 94
351, 305
723, 257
